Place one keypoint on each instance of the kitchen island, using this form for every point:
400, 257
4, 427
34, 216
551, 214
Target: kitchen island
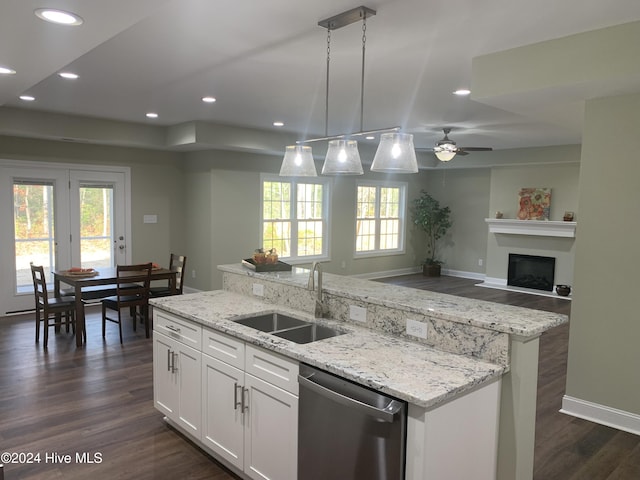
467, 353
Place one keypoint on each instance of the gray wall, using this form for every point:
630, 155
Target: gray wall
605, 325
157, 187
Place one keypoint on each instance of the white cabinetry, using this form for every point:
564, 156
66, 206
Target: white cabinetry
177, 371
250, 407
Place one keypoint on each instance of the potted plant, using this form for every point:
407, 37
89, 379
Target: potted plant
431, 218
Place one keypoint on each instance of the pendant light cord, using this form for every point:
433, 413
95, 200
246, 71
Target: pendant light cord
326, 101
364, 42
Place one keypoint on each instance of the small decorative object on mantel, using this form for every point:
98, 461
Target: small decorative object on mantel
563, 290
568, 217
534, 204
499, 214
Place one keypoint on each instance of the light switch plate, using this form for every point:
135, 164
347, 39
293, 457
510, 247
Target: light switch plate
416, 329
150, 219
358, 314
258, 289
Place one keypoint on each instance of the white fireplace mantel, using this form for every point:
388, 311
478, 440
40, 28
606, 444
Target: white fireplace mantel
543, 228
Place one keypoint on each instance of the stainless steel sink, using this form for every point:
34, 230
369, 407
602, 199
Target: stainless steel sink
272, 322
308, 333
289, 328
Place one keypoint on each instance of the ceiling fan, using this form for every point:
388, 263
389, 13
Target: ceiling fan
446, 148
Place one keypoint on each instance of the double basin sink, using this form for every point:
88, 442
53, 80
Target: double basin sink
289, 328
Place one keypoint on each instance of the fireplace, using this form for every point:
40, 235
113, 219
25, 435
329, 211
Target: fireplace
531, 271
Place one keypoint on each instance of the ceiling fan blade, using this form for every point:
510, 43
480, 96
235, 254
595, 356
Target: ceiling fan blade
461, 152
476, 149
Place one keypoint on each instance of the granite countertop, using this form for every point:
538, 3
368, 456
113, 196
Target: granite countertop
510, 319
421, 375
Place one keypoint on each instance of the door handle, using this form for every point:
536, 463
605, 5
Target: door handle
386, 414
168, 360
174, 369
244, 405
236, 403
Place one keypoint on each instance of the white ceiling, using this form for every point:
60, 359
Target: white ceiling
265, 61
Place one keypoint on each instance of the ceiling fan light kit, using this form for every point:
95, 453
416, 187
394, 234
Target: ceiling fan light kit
342, 156
446, 149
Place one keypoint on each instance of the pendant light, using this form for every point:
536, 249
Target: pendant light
298, 162
395, 154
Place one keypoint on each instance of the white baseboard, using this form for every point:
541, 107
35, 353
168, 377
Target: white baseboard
388, 273
611, 417
418, 269
501, 284
186, 289
463, 274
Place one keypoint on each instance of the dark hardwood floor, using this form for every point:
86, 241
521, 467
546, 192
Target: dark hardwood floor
99, 400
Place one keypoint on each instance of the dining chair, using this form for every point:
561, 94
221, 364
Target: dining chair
133, 297
177, 263
50, 308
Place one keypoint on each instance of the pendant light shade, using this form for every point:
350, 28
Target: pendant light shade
342, 158
395, 154
298, 162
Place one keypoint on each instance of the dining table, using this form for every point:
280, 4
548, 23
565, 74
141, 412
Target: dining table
81, 281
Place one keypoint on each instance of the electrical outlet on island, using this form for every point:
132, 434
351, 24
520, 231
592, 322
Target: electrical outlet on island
358, 314
258, 289
416, 329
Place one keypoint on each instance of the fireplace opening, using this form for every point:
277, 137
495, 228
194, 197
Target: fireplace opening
531, 271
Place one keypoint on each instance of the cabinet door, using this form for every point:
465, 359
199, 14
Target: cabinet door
165, 382
222, 419
188, 371
271, 432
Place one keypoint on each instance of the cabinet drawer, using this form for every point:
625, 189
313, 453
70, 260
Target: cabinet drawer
177, 328
223, 347
273, 368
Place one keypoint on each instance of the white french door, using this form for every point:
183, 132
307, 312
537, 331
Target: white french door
97, 202
58, 216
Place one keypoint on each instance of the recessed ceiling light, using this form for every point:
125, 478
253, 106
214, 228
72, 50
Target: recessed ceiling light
7, 71
370, 137
58, 16
152, 115
462, 92
27, 98
208, 99
68, 75
278, 124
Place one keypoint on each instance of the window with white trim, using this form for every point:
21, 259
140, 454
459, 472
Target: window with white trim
294, 217
380, 218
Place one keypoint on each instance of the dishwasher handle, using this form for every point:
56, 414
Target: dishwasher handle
386, 414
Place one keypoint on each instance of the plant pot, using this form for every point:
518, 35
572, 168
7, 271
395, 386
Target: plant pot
431, 269
563, 290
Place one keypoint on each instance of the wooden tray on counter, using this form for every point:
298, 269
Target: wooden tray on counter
266, 267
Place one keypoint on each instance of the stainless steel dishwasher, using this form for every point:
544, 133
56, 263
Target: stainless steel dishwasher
347, 431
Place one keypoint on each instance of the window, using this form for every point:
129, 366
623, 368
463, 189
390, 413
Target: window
380, 218
294, 217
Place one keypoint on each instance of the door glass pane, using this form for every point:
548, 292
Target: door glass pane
96, 226
34, 230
